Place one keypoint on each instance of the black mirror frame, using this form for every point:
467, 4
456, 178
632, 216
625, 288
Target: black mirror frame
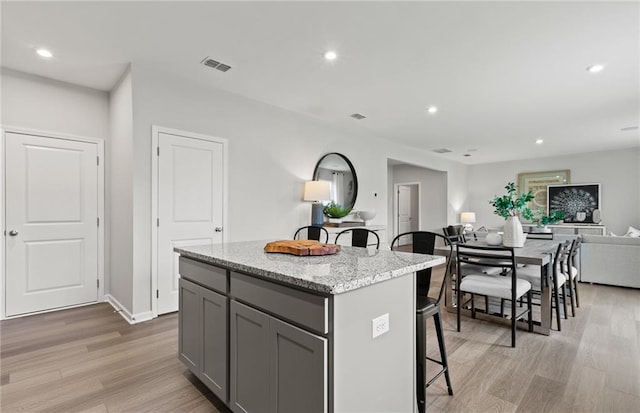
353, 171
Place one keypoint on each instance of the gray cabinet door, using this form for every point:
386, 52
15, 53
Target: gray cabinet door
189, 325
214, 333
249, 353
298, 369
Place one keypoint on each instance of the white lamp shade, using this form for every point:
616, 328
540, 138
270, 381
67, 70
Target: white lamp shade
467, 217
317, 191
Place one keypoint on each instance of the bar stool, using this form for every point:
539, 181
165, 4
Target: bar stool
313, 233
423, 242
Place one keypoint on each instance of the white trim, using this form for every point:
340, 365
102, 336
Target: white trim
395, 206
51, 310
101, 188
155, 131
122, 310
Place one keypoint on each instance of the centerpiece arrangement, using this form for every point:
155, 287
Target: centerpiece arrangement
542, 220
510, 207
336, 212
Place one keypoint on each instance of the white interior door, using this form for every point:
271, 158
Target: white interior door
190, 205
404, 213
51, 223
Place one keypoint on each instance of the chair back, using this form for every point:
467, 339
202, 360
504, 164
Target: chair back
573, 252
360, 237
424, 242
561, 257
539, 235
485, 256
454, 233
313, 233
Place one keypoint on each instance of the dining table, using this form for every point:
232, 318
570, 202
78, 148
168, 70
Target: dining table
535, 252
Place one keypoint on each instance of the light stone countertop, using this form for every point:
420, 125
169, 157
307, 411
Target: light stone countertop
349, 269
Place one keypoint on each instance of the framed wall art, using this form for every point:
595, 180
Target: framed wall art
578, 202
537, 183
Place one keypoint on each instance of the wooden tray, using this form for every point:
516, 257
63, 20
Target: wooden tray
301, 247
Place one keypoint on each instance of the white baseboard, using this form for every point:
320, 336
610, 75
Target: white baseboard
131, 318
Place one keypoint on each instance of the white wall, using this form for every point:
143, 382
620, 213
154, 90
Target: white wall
433, 194
121, 176
35, 102
271, 153
618, 172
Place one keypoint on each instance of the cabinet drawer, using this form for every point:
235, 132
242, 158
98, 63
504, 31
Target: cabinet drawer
209, 276
304, 308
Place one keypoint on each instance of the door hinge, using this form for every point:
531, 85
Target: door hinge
157, 222
157, 293
98, 283
98, 221
158, 151
98, 160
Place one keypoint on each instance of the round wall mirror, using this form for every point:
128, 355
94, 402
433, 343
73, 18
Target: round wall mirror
338, 170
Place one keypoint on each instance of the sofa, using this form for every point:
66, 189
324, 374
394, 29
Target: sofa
610, 260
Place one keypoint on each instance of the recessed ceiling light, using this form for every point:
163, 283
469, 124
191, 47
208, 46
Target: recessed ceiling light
330, 55
595, 68
539, 141
432, 109
44, 53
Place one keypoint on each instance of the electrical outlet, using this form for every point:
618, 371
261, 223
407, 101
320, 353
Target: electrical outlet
379, 325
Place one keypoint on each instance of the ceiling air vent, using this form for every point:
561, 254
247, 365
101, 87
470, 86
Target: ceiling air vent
358, 116
215, 64
442, 150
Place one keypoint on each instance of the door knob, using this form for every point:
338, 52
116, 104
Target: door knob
13, 232
218, 229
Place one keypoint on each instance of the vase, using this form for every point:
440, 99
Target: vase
513, 235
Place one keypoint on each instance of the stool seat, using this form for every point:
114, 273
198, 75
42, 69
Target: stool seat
426, 305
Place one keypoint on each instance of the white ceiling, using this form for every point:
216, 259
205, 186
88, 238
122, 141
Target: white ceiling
502, 73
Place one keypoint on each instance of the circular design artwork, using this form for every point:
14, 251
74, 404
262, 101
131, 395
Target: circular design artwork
577, 204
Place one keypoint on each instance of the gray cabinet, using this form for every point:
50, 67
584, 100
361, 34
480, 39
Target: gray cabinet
258, 346
202, 332
275, 366
249, 351
189, 325
213, 360
297, 369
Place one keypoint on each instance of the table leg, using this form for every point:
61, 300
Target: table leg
545, 298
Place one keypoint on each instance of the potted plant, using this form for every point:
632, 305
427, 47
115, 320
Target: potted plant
542, 220
510, 207
336, 212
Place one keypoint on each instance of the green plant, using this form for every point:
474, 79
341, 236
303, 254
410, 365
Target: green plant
541, 219
333, 210
512, 204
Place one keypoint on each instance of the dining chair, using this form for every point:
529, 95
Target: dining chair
531, 273
360, 237
539, 235
424, 242
455, 233
504, 287
313, 233
571, 271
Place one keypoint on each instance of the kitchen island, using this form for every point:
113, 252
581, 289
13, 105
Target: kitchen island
280, 333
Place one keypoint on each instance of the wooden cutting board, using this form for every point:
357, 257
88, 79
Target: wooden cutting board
301, 247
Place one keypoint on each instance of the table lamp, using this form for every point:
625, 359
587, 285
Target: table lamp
316, 192
467, 218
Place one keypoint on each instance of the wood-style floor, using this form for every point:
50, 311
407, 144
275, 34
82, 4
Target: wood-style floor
89, 359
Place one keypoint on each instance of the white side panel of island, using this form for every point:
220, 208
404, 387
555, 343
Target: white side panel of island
375, 375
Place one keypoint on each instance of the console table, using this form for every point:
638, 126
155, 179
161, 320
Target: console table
573, 229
